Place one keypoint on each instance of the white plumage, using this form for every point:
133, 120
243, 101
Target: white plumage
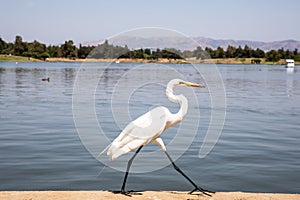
139, 132
149, 126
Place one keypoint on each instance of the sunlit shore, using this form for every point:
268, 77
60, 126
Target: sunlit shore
173, 61
238, 61
116, 60
63, 195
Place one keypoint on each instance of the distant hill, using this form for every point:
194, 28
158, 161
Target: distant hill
182, 43
286, 44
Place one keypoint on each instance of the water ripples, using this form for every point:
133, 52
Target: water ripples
40, 149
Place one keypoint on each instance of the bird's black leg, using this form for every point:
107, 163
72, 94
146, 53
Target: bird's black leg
127, 172
185, 176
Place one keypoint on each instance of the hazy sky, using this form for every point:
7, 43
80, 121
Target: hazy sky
54, 21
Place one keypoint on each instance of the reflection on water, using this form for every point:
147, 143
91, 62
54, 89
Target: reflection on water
257, 151
290, 82
290, 70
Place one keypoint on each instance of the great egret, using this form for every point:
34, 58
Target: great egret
148, 128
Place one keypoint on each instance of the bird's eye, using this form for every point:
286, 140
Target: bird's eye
180, 83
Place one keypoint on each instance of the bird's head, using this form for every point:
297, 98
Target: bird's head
189, 84
179, 83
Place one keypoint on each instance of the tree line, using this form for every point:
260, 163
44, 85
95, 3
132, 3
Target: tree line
69, 50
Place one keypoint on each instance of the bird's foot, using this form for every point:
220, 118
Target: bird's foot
122, 192
127, 193
201, 190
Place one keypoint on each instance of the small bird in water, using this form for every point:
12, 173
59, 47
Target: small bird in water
46, 79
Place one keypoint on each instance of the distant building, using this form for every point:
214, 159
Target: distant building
289, 63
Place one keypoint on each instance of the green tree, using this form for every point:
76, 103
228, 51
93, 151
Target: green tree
35, 49
19, 46
238, 52
230, 51
171, 54
138, 53
84, 51
174, 53
9, 49
247, 52
147, 53
156, 54
272, 56
288, 54
188, 54
68, 49
210, 52
118, 51
199, 53
103, 50
59, 53
258, 53
3, 46
281, 53
297, 57
52, 50
44, 55
295, 52
219, 53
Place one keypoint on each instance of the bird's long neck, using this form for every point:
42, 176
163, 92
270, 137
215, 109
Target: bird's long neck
181, 99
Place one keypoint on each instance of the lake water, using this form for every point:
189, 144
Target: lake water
258, 150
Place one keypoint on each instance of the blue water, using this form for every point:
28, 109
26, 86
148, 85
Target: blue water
257, 151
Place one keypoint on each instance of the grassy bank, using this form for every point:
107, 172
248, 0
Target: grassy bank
122, 60
10, 58
241, 61
175, 61
7, 58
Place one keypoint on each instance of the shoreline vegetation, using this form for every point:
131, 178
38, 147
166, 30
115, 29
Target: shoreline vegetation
22, 51
237, 61
64, 195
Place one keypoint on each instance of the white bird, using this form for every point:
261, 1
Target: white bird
148, 128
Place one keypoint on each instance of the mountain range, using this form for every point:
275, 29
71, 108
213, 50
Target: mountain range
266, 46
184, 43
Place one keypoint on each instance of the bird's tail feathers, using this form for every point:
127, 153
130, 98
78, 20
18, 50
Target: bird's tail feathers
105, 149
115, 150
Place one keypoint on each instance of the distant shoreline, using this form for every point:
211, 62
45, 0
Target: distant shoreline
122, 60
237, 61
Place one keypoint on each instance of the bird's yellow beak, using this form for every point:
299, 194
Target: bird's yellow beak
193, 84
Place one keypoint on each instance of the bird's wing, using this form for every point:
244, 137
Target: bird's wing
139, 132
